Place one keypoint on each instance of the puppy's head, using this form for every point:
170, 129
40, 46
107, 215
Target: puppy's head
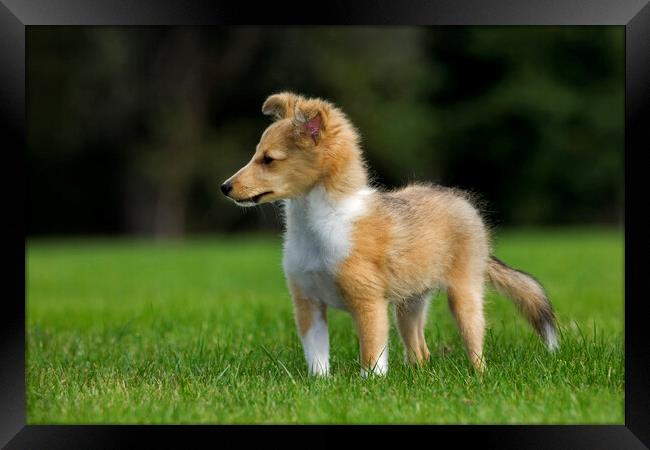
287, 161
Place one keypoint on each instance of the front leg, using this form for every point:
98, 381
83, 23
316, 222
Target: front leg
362, 286
311, 320
371, 320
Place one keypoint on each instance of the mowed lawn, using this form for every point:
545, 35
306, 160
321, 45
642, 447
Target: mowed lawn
202, 331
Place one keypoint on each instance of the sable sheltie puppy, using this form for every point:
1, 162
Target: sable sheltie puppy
352, 246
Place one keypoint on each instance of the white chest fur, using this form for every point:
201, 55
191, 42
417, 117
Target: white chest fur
318, 237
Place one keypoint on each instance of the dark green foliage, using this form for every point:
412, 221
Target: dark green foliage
132, 130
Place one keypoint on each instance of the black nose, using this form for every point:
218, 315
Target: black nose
226, 187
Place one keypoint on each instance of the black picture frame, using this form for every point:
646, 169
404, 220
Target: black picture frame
15, 15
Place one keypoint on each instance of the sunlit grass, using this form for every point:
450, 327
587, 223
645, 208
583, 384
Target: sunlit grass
201, 331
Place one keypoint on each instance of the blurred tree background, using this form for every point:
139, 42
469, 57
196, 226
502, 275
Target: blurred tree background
131, 130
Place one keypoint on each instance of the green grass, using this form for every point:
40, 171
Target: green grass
201, 331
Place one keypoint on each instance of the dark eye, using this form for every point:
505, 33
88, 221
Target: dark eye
267, 160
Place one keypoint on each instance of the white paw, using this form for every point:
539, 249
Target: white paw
319, 370
380, 369
377, 371
381, 366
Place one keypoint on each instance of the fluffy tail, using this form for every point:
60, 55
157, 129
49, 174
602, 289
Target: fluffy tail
528, 295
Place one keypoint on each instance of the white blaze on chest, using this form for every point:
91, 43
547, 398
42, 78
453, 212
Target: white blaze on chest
318, 237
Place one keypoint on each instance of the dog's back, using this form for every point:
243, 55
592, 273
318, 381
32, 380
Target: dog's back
434, 230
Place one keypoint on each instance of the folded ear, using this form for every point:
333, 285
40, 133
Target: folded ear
310, 116
280, 106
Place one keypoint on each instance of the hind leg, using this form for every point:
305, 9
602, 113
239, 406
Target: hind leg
411, 318
466, 303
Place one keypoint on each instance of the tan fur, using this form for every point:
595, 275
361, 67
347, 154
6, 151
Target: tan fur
416, 239
304, 310
364, 286
407, 243
336, 162
411, 318
525, 291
